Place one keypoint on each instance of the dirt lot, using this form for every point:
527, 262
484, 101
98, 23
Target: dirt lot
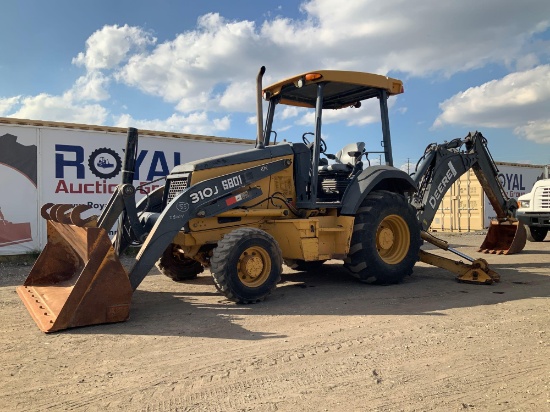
320, 342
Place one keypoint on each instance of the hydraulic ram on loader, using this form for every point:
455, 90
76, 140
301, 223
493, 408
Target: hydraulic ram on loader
78, 279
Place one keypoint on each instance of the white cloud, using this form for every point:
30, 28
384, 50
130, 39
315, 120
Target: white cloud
217, 52
519, 100
7, 104
58, 108
211, 67
92, 86
239, 97
369, 112
290, 112
536, 130
194, 123
109, 46
416, 38
407, 167
351, 116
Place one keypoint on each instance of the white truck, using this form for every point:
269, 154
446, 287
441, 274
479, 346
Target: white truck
534, 209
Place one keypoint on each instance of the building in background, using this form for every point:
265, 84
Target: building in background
51, 162
466, 208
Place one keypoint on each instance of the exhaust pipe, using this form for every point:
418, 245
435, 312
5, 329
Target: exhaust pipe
130, 156
259, 110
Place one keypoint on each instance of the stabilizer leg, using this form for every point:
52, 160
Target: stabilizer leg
477, 271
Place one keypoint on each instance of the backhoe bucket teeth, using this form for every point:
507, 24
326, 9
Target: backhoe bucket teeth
77, 280
504, 238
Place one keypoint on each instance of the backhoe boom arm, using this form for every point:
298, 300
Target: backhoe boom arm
445, 163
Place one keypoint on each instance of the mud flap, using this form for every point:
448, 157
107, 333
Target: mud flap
504, 238
77, 280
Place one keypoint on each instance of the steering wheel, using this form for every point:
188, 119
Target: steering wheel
322, 143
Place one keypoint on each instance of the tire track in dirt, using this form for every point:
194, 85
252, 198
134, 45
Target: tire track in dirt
427, 345
460, 388
276, 373
244, 379
236, 373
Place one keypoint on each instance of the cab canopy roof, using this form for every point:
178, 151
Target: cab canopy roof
342, 88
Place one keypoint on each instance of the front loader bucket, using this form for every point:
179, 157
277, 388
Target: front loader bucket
77, 280
504, 238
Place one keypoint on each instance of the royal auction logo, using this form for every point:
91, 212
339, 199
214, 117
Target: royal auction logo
105, 163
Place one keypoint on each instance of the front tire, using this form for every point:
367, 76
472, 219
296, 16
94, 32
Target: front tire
536, 233
386, 240
246, 265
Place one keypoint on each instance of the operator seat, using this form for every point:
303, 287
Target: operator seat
346, 159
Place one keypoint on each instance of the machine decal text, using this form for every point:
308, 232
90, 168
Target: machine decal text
232, 182
204, 194
441, 187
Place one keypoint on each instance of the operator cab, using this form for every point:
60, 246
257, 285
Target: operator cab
321, 177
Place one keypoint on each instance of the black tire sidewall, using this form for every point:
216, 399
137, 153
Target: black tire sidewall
536, 234
178, 270
227, 277
378, 271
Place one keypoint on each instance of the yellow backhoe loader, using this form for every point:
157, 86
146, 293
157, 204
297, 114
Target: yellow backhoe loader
242, 215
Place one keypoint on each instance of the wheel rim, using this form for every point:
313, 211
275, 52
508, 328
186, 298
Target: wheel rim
393, 239
254, 266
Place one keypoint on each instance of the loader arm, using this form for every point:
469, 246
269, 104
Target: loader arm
443, 164
183, 208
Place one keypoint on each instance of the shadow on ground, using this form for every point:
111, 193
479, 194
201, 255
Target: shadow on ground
199, 310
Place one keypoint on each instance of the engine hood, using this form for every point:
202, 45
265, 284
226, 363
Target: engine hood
235, 158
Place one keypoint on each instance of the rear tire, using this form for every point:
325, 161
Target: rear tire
386, 240
536, 233
178, 267
304, 265
246, 265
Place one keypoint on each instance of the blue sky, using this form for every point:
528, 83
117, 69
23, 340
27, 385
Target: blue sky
190, 66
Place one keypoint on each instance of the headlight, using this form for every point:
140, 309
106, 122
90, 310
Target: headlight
524, 203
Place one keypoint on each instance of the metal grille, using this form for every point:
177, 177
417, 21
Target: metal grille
176, 186
542, 198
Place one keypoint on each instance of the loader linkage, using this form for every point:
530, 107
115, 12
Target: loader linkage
78, 279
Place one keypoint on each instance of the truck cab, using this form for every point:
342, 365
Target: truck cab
534, 209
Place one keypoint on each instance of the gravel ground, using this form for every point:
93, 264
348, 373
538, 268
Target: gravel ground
321, 342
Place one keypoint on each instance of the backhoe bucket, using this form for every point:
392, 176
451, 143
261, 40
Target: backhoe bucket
504, 238
77, 280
